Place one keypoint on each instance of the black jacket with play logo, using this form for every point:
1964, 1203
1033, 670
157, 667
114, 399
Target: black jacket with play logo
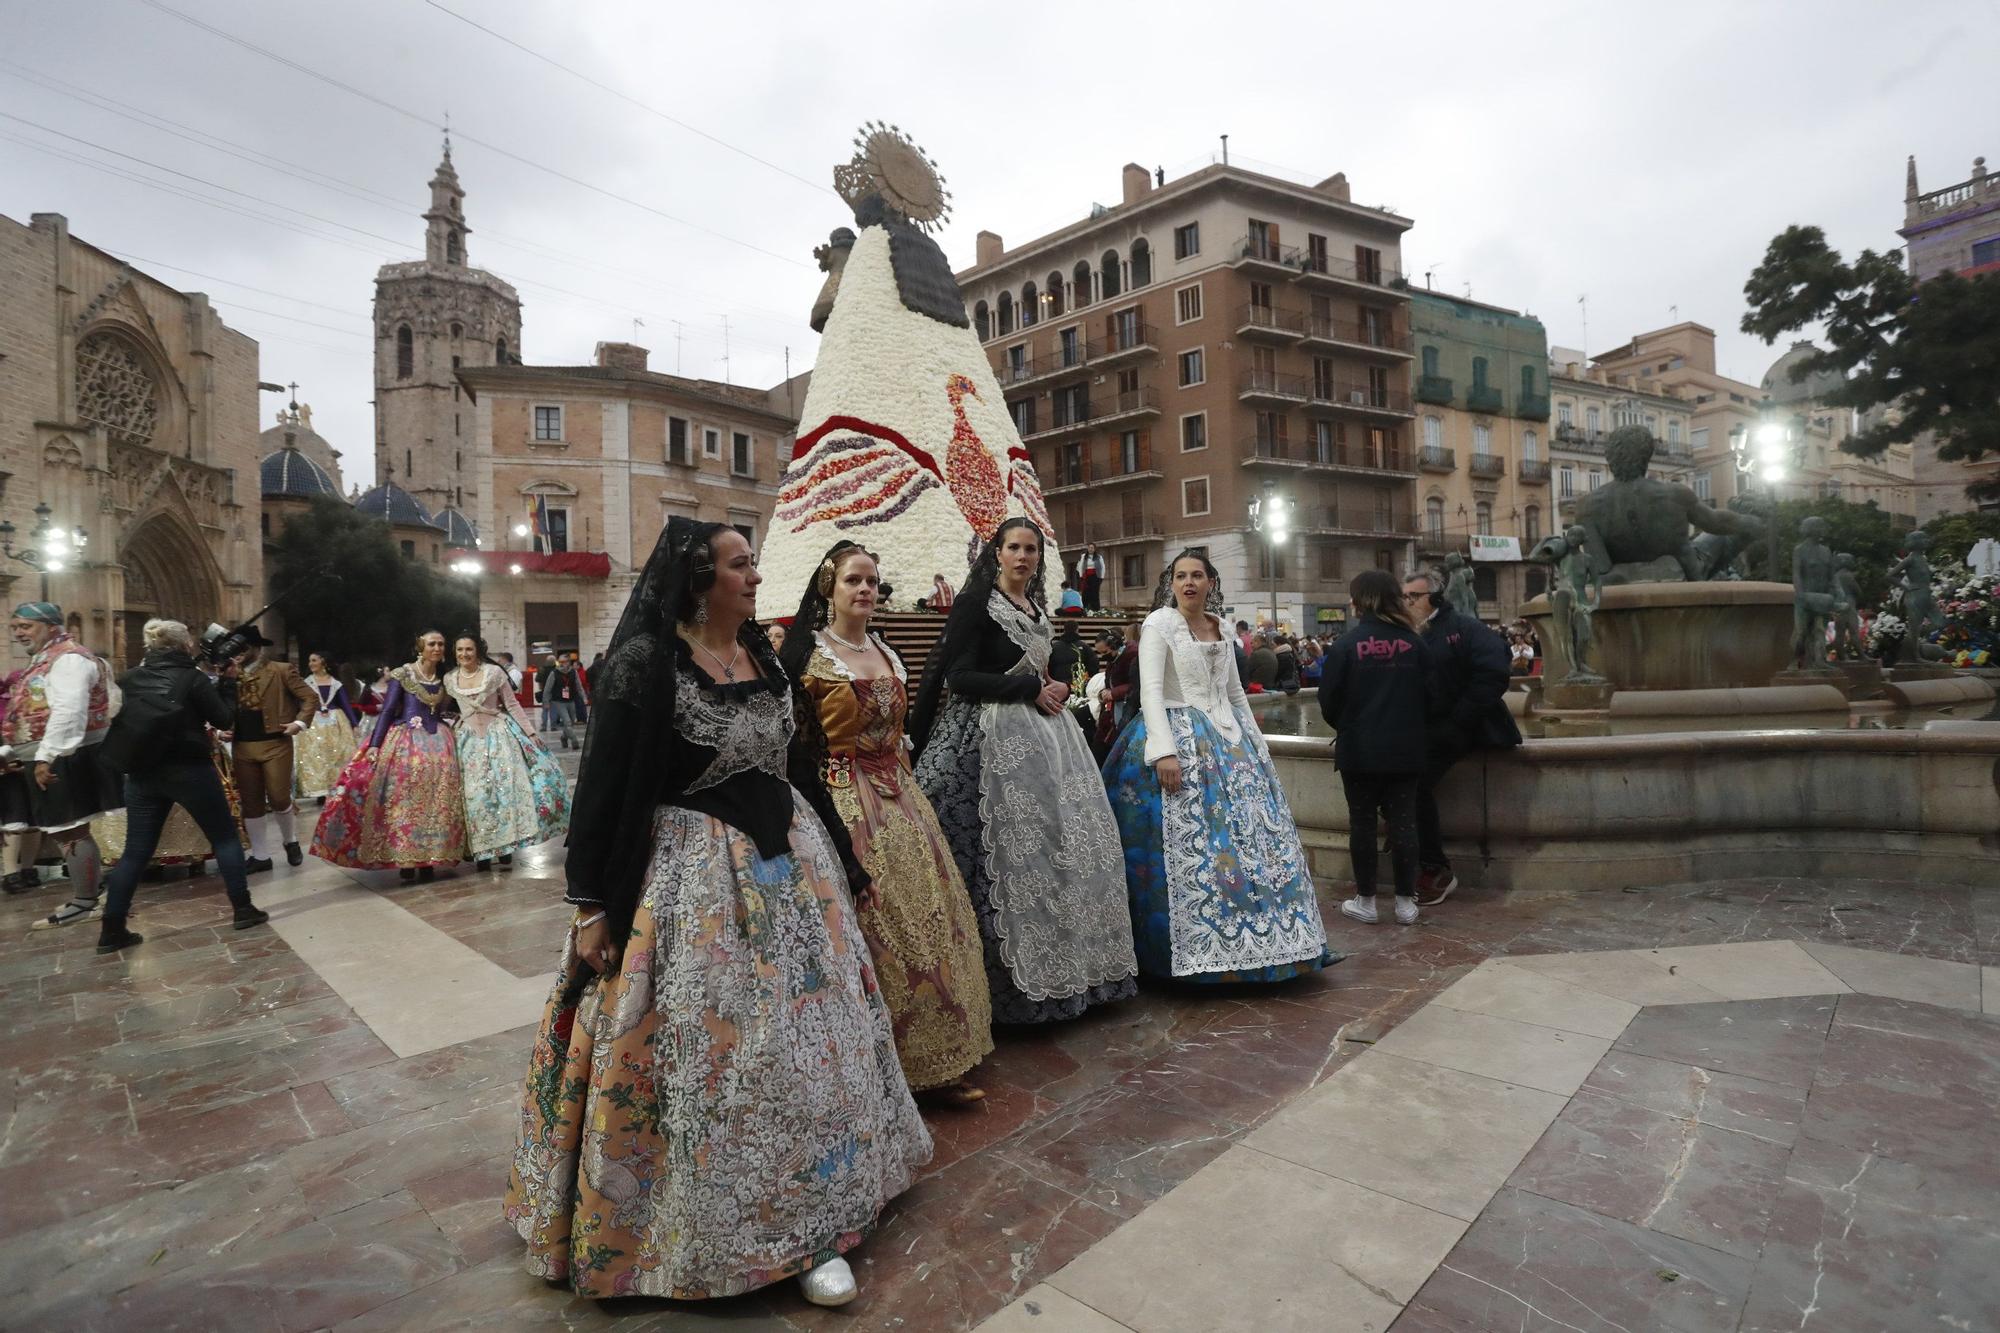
1378, 690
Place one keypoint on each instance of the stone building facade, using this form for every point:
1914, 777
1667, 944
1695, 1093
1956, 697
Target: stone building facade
432, 318
1482, 395
130, 409
577, 469
1588, 404
1207, 341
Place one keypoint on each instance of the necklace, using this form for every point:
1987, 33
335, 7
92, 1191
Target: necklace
729, 667
849, 644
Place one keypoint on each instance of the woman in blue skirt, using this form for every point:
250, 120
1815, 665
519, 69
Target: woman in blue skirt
1218, 878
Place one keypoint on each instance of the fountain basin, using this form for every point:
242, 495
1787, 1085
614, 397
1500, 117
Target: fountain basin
1679, 636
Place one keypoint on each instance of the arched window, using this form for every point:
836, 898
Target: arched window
1142, 263
457, 332
1531, 448
1434, 518
1003, 313
979, 322
1107, 275
1055, 294
454, 249
1531, 524
1482, 514
499, 351
1031, 304
1079, 292
1593, 420
406, 353
1430, 362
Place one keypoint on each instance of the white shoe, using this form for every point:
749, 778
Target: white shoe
1360, 908
1406, 911
832, 1283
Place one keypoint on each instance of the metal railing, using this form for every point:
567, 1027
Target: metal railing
1366, 397
1487, 465
1484, 398
1325, 328
1434, 388
1271, 384
1271, 319
1255, 250
1534, 469
1435, 458
1347, 270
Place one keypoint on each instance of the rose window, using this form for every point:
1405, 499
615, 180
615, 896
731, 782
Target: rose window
115, 390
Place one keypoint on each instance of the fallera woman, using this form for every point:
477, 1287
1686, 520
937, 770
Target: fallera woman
516, 796
327, 744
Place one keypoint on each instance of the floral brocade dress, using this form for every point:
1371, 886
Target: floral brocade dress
726, 1110
922, 933
405, 807
515, 792
327, 744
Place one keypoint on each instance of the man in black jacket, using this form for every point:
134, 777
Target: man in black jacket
1473, 662
170, 767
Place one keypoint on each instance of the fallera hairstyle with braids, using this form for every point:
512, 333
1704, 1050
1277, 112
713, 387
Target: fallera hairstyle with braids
969, 618
816, 607
1375, 592
1163, 591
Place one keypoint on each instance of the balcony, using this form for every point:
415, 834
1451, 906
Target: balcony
1578, 440
1534, 470
1275, 451
1341, 274
1089, 416
1363, 399
1436, 541
1487, 465
1254, 254
1129, 406
1086, 470
1484, 398
1532, 406
1434, 458
1113, 532
1081, 357
1127, 341
1263, 321
1434, 389
1326, 331
1268, 386
1332, 521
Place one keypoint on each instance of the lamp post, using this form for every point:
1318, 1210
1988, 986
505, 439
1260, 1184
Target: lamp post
1770, 450
1271, 516
55, 549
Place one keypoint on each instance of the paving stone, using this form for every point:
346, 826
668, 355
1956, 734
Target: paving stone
1498, 1048
1779, 1041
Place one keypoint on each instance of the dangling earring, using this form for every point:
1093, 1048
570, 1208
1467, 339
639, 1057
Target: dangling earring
701, 610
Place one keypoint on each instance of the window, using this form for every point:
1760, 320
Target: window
1070, 405
1260, 296
1593, 420
1127, 332
1433, 433
406, 353
1031, 305
677, 440
454, 249
1023, 412
981, 322
1187, 304
454, 424
548, 423
1194, 497
1316, 252
1262, 242
1434, 518
1132, 571
1322, 379
1652, 421
1482, 518
499, 351
409, 550
1482, 441
1003, 314
1070, 465
1107, 276
1329, 561
558, 534
1385, 559
1267, 558
1430, 362
1527, 381
1531, 524
1701, 487
1596, 478
742, 461
1142, 263
1069, 345
1531, 447
1986, 251
711, 442
1194, 432
1323, 443
1478, 372
1486, 583
1017, 363
1192, 372
1698, 438
1053, 297
1564, 412
748, 531
1131, 452
1079, 289
1566, 481
1187, 240
409, 467
1367, 264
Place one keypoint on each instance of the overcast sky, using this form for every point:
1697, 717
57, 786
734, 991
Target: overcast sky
1544, 151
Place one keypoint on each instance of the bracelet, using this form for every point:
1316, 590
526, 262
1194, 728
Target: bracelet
590, 921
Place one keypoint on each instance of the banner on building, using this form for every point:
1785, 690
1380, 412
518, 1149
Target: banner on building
1495, 548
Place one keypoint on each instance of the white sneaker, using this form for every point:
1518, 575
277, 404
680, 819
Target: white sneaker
1406, 911
1360, 908
832, 1283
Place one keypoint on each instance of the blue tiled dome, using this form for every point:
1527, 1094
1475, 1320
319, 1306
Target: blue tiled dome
288, 472
391, 502
458, 529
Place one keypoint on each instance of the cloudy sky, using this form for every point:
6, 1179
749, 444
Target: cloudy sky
672, 164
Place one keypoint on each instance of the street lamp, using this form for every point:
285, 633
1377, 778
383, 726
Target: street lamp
1769, 451
1271, 516
55, 549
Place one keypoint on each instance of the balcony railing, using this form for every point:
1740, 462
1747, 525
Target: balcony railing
1359, 397
1375, 521
1106, 532
1433, 388
1252, 249
1438, 541
1124, 337
1435, 458
1534, 469
1254, 383
1487, 465
1273, 320
1087, 467
1483, 398
1326, 329
1346, 270
1274, 449
1071, 416
1532, 406
1579, 440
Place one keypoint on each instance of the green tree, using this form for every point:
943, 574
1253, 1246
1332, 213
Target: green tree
1864, 530
1954, 535
1931, 352
349, 590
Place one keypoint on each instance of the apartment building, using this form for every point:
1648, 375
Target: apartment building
1482, 395
1209, 341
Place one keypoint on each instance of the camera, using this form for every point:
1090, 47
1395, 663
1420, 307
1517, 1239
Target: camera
222, 646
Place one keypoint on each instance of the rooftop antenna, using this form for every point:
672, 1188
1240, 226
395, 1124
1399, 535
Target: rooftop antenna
725, 351
677, 347
1427, 275
1583, 302
637, 324
1674, 313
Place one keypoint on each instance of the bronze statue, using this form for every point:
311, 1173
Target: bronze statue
1573, 596
1815, 593
1847, 646
1636, 527
1920, 609
1459, 592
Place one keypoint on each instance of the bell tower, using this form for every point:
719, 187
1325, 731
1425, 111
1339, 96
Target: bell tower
433, 317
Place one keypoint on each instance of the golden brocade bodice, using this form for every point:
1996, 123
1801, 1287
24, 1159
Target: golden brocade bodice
863, 721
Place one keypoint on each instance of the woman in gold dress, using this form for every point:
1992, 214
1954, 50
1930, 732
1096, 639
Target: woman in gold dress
921, 931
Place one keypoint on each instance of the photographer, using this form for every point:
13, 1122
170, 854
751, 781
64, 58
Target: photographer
161, 743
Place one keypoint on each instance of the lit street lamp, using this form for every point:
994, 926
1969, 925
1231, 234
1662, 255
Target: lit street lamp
1271, 516
1770, 451
55, 549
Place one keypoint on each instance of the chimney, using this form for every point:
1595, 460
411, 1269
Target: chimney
1138, 182
987, 248
621, 356
1336, 186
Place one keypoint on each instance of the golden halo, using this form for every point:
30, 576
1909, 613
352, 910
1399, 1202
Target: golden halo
890, 164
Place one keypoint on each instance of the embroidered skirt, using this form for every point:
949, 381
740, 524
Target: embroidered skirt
85, 787
515, 792
727, 1110
1218, 878
320, 752
406, 807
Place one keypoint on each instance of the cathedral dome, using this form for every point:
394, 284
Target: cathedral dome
295, 431
288, 472
1778, 379
458, 529
394, 504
